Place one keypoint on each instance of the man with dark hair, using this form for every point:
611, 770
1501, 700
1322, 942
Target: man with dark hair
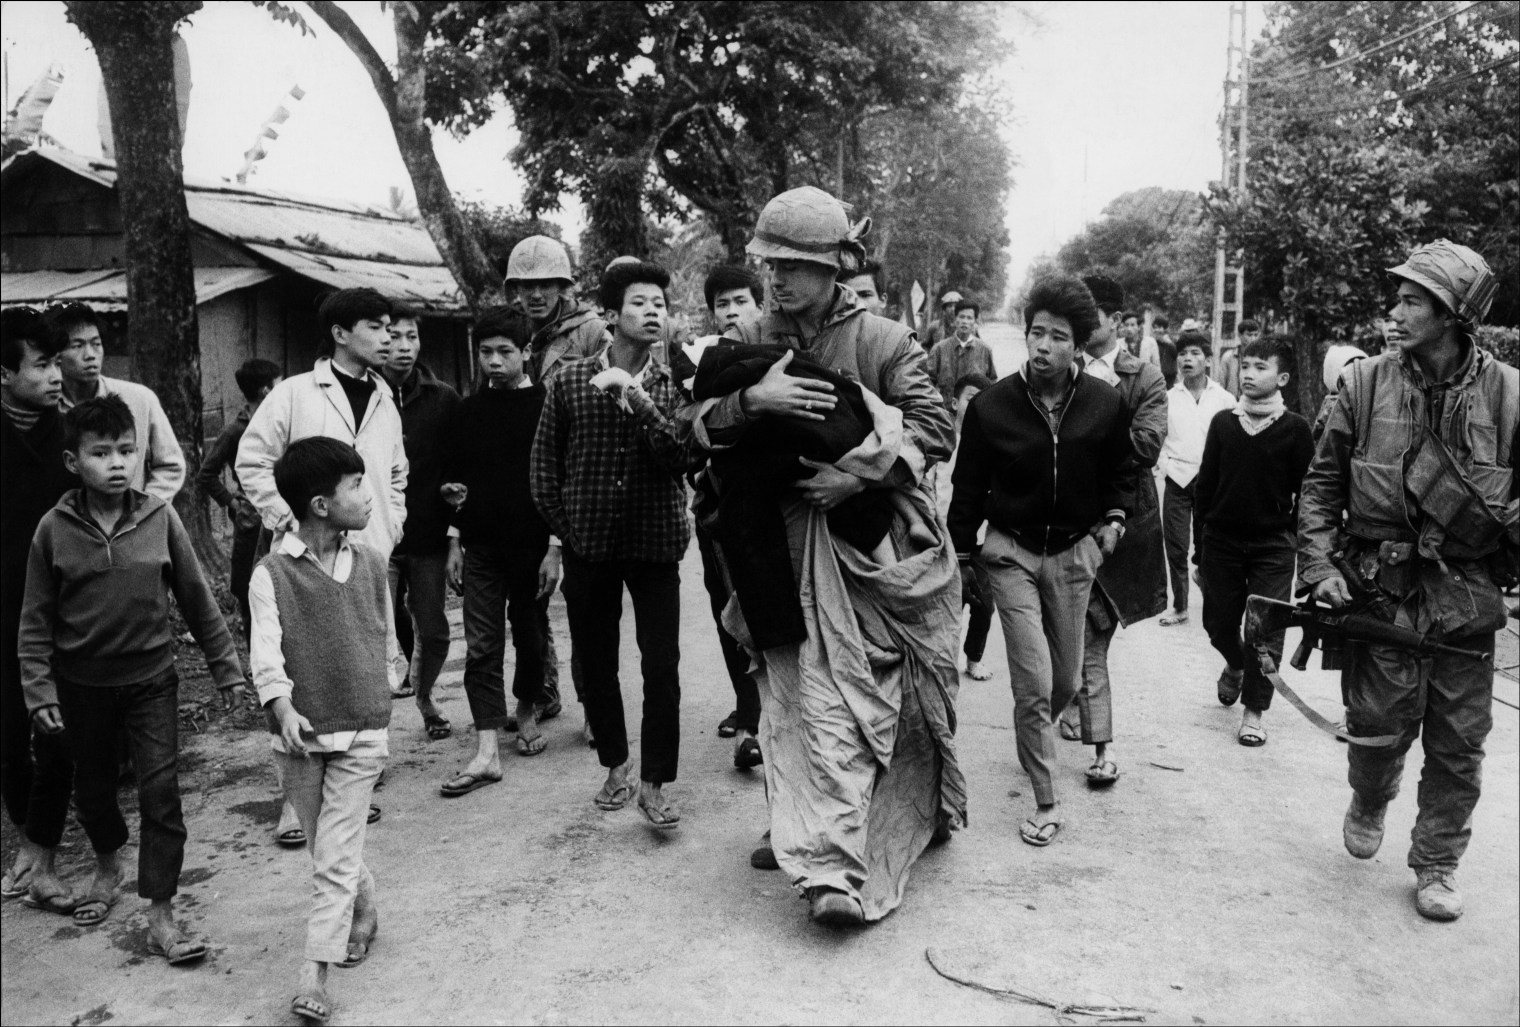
255, 379
1131, 584
1166, 350
1227, 361
868, 284
416, 573
733, 293
37, 769
606, 474
1414, 485
77, 332
540, 279
1047, 424
961, 354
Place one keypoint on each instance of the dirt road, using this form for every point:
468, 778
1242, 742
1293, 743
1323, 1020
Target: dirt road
1210, 885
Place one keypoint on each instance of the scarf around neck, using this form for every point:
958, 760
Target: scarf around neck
1257, 415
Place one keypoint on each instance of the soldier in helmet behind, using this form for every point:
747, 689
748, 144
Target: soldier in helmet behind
540, 282
858, 784
944, 325
1418, 455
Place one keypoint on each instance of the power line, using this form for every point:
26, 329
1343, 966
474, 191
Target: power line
1429, 87
1364, 54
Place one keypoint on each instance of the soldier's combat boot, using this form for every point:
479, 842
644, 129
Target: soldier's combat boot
1436, 895
1363, 827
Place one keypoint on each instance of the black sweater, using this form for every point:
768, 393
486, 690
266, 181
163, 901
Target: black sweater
489, 442
1045, 489
31, 467
1249, 484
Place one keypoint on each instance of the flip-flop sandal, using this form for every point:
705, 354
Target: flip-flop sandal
437, 727
406, 691
310, 1007
1228, 689
373, 815
748, 755
292, 839
61, 904
1252, 737
609, 801
93, 910
662, 817
464, 784
355, 958
1102, 774
1034, 834
728, 727
531, 746
180, 952
1069, 731
14, 887
550, 711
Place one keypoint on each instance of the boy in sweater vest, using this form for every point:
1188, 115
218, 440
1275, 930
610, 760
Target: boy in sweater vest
321, 617
1254, 460
97, 658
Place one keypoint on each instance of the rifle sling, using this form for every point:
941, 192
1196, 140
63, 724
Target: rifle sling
1319, 720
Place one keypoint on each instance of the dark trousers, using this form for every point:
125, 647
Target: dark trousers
746, 692
94, 717
1233, 568
249, 546
979, 600
1450, 698
501, 587
418, 586
1178, 528
594, 600
37, 769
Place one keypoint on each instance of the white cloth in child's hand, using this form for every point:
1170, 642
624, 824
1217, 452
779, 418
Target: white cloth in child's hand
613, 380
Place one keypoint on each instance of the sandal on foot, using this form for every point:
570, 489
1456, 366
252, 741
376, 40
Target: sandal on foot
1069, 731
616, 799
729, 725
93, 909
373, 814
179, 952
311, 1006
1039, 835
437, 727
1252, 737
15, 886
463, 784
747, 754
1102, 774
531, 746
61, 903
1229, 685
292, 839
406, 691
358, 951
550, 710
662, 817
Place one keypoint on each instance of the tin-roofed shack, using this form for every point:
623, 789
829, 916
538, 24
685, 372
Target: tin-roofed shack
262, 259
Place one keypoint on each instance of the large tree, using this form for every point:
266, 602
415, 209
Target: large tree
133, 40
1374, 127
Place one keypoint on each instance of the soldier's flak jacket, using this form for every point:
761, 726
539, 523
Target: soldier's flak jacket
574, 332
1425, 475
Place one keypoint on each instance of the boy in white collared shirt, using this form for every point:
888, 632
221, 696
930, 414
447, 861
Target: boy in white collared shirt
321, 615
1190, 405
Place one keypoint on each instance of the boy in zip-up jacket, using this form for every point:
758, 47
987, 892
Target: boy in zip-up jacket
97, 657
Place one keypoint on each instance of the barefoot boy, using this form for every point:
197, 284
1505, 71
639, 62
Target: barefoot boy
1254, 460
97, 656
320, 618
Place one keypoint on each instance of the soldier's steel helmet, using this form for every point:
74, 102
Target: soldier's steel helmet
539, 258
801, 224
1456, 275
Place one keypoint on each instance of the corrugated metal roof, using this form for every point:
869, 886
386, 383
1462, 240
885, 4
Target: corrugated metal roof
335, 242
108, 290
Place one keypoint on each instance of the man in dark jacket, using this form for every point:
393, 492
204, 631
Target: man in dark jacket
38, 772
1131, 585
1044, 460
417, 563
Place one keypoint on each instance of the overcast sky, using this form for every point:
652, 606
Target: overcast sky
1107, 97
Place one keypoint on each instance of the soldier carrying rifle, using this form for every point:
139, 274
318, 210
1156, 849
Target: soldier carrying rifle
1413, 492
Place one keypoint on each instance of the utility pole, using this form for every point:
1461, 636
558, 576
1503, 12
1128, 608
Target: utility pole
1233, 147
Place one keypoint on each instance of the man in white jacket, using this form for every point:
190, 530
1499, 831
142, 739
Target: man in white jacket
161, 471
342, 397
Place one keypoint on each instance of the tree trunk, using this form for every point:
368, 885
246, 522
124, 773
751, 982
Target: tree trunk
404, 99
615, 212
134, 42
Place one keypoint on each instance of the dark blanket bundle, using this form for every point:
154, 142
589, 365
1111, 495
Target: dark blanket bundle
763, 468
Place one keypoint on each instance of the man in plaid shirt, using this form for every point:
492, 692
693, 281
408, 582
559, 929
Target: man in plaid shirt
607, 473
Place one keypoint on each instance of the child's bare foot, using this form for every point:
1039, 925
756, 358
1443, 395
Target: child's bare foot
978, 671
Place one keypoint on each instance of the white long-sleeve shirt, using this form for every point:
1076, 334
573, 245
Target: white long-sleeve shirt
267, 657
1187, 426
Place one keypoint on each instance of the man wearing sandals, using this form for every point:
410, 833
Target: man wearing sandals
1418, 457
606, 473
1044, 460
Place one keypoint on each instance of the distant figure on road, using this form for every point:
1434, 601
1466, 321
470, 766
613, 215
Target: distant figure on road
1415, 478
943, 326
963, 353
